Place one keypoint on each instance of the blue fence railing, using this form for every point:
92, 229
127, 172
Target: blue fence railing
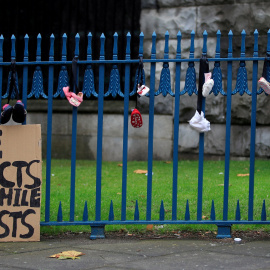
165, 88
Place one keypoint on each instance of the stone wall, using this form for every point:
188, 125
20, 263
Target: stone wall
174, 15
200, 15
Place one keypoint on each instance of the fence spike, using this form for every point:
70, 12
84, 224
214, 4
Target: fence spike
51, 53
136, 213
237, 213
241, 80
217, 73
26, 53
13, 50
187, 214
102, 47
204, 49
111, 214
178, 48
268, 41
128, 46
37, 89
60, 214
63, 78
190, 80
213, 212
114, 83
263, 214
85, 212
165, 76
77, 40
88, 79
13, 95
161, 211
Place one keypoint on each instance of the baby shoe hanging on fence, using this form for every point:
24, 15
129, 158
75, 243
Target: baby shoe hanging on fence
17, 111
73, 98
263, 83
142, 90
198, 121
208, 84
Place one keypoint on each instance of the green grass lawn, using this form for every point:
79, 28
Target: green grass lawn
213, 189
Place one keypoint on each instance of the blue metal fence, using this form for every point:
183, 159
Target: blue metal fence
165, 88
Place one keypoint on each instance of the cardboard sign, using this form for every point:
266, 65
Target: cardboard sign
20, 182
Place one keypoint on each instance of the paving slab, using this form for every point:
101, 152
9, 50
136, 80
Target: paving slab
112, 254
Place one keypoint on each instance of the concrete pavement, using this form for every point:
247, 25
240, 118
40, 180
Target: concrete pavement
126, 253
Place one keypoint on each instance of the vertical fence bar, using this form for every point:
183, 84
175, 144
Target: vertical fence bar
176, 126
25, 74
125, 130
253, 128
1, 67
201, 147
228, 130
100, 127
74, 141
151, 126
49, 132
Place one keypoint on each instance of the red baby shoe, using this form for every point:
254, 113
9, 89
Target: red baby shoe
136, 119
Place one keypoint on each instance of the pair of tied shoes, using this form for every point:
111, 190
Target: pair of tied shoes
17, 112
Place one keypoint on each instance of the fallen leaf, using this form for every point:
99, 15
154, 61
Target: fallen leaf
120, 165
70, 254
205, 217
118, 193
222, 185
149, 227
243, 174
167, 162
140, 171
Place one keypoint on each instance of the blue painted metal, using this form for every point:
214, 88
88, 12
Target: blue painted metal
161, 211
88, 82
100, 128
111, 213
25, 74
137, 212
13, 57
138, 71
74, 140
114, 84
228, 131
37, 89
85, 212
241, 80
238, 212
60, 213
151, 129
263, 214
165, 76
63, 78
253, 128
176, 127
213, 211
98, 223
190, 81
125, 131
187, 213
1, 67
49, 132
217, 73
201, 148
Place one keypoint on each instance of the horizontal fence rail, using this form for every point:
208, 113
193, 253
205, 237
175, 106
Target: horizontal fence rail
94, 86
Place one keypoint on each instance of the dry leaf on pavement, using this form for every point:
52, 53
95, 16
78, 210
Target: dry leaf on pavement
70, 254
